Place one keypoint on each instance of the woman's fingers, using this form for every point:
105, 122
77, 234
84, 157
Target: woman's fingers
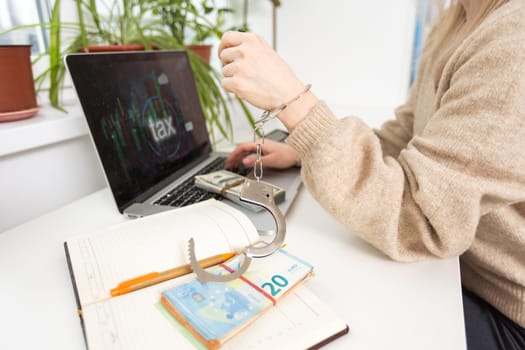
228, 70
229, 39
235, 158
249, 161
274, 155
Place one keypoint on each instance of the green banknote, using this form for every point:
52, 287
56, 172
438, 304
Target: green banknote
214, 311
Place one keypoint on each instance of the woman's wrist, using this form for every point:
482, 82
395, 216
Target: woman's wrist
295, 112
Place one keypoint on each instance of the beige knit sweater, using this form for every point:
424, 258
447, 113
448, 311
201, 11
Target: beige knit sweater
447, 176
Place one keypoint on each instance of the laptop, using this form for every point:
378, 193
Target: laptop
147, 125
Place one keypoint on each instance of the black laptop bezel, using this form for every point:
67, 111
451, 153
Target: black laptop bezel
74, 63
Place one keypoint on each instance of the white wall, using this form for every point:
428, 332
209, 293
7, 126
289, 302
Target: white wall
46, 161
356, 54
39, 180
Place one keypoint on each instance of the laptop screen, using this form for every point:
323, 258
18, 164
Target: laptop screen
144, 115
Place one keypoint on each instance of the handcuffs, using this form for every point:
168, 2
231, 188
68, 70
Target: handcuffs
257, 193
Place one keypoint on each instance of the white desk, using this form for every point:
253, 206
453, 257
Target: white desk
387, 305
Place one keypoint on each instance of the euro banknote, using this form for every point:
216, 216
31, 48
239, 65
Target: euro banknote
215, 311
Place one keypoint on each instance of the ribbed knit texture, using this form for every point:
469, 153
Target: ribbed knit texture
447, 176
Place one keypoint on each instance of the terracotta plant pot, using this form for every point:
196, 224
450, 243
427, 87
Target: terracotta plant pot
17, 88
204, 51
113, 48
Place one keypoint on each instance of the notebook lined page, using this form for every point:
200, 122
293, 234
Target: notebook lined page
155, 243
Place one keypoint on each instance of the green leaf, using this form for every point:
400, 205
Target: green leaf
54, 56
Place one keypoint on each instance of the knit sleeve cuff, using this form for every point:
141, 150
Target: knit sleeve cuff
313, 127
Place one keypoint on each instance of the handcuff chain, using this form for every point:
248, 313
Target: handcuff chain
259, 128
257, 166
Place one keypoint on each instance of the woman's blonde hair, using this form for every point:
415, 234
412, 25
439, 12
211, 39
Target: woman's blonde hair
453, 28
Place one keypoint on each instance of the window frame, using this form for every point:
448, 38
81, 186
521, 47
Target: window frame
36, 36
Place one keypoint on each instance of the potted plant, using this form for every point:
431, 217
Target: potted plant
192, 24
17, 91
143, 24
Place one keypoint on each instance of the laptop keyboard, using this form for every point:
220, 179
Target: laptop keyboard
186, 193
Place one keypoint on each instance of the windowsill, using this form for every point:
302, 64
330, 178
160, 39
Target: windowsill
47, 127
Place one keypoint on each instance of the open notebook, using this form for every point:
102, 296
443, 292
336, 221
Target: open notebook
100, 260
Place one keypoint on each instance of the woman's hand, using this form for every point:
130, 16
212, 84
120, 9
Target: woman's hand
254, 72
278, 155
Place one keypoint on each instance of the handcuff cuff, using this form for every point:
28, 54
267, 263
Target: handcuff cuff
257, 193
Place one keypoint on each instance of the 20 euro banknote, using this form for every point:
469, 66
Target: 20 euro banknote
214, 312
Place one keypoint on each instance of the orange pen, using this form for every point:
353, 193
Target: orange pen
158, 277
